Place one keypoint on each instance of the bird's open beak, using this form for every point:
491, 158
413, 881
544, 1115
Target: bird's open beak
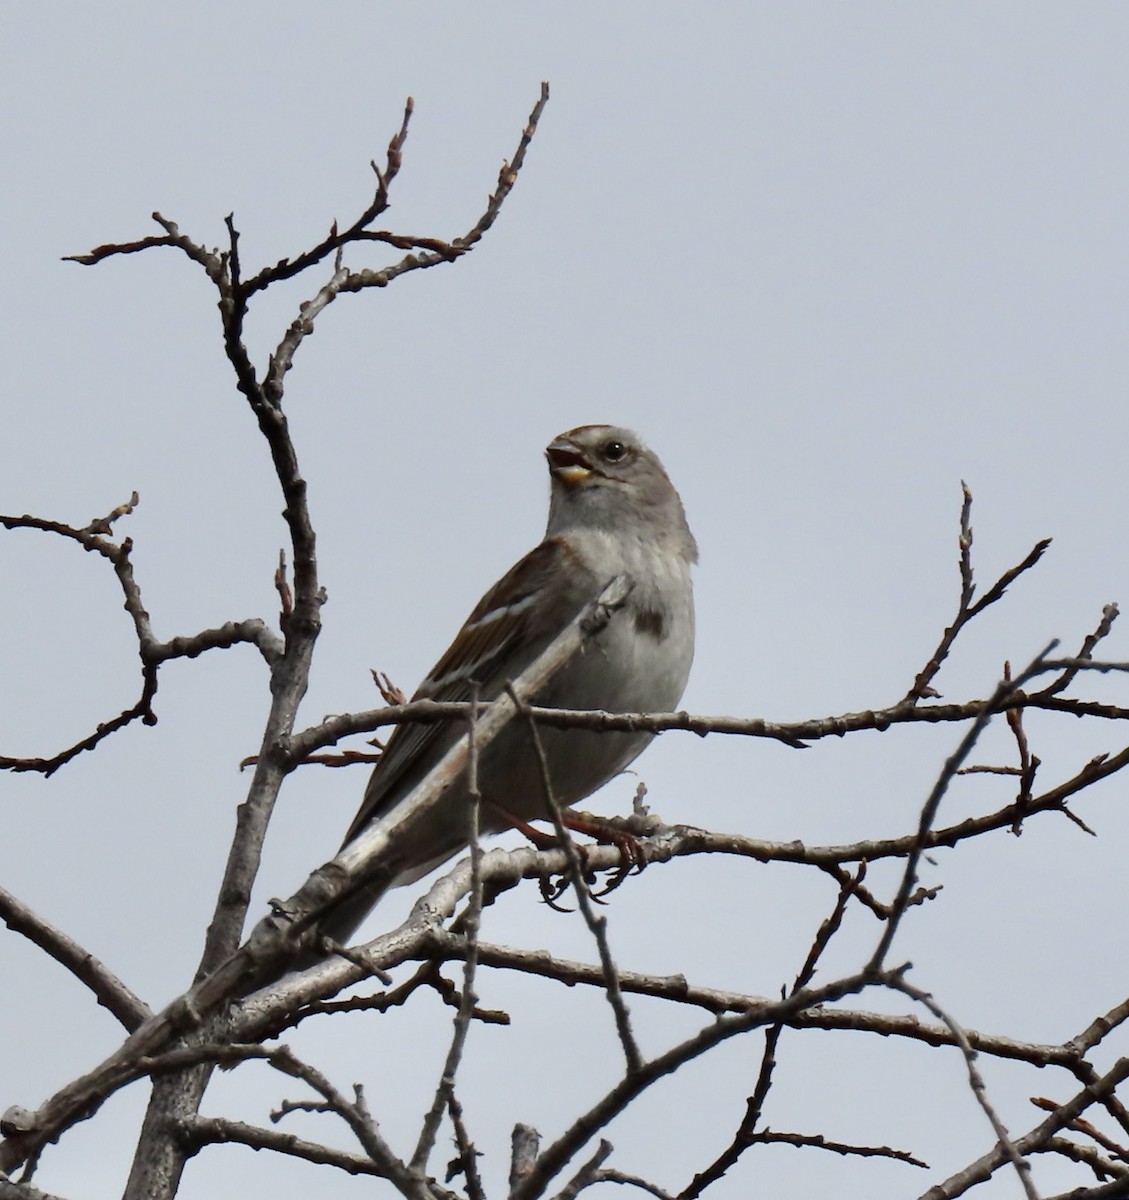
567, 463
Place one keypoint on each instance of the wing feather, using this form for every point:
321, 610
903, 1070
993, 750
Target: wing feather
508, 628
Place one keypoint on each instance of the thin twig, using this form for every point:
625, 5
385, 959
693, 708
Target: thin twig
446, 1088
744, 1137
635, 1181
898, 981
556, 1156
817, 1141
1086, 1128
588, 1174
426, 251
1034, 1141
467, 1161
932, 804
966, 609
151, 650
597, 924
355, 1115
288, 268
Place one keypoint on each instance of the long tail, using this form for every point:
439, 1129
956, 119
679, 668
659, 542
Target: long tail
344, 919
428, 844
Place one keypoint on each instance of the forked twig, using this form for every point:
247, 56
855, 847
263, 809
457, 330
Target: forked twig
923, 685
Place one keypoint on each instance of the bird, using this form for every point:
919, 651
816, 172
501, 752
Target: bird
612, 511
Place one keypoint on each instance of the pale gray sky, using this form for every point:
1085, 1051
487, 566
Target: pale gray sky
828, 258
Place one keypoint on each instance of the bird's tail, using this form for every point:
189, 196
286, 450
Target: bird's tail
427, 845
341, 921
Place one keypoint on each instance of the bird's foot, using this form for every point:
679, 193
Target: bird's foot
605, 832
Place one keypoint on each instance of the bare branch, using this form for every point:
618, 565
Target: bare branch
141, 710
636, 1181
23, 1191
597, 925
212, 261
966, 610
428, 251
1087, 1129
1099, 1029
1035, 1141
1117, 1190
353, 1112
1101, 1166
677, 989
197, 1132
467, 1162
588, 1174
898, 981
848, 1150
795, 734
933, 803
356, 1117
287, 268
151, 650
108, 989
525, 1143
271, 943
745, 1135
507, 176
556, 1156
444, 1093
1085, 654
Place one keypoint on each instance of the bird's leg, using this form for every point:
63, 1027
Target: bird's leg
603, 832
550, 892
608, 834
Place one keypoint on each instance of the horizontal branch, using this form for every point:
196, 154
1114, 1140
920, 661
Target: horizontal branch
419, 938
253, 631
692, 840
212, 261
1116, 1189
677, 989
796, 734
848, 1149
198, 1132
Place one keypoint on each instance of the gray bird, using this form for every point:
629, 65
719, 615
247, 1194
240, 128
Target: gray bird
612, 511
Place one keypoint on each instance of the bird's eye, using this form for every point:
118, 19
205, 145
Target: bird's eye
615, 451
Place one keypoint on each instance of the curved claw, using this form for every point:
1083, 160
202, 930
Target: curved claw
622, 872
630, 848
551, 893
630, 851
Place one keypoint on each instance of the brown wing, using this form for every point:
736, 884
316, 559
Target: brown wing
508, 628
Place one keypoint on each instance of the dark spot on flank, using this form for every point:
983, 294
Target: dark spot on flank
647, 620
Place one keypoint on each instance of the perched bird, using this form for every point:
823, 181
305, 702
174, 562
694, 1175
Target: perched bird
612, 511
